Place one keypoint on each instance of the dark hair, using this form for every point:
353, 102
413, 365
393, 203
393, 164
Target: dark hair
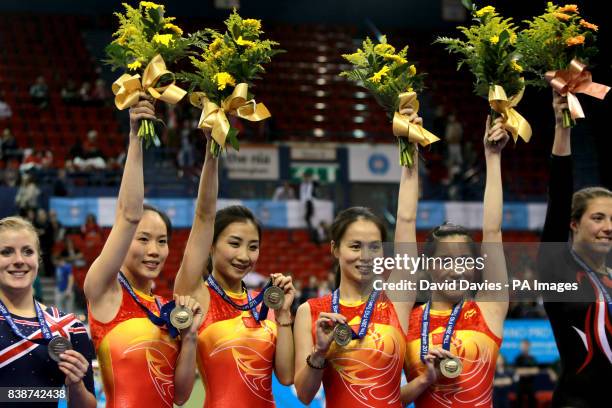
581, 199
230, 215
344, 219
164, 217
448, 229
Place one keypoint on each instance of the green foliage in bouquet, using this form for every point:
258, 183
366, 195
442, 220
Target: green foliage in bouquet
143, 33
489, 51
552, 40
386, 74
227, 59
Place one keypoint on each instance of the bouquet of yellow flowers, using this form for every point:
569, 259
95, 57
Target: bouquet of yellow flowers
555, 50
225, 68
393, 82
490, 53
145, 41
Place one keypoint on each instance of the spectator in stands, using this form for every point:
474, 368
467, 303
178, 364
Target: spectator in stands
307, 193
185, 157
47, 240
526, 368
502, 384
58, 229
323, 234
311, 290
91, 229
70, 93
60, 188
31, 160
92, 157
5, 108
39, 92
85, 94
453, 135
284, 192
10, 177
27, 194
100, 94
64, 281
9, 149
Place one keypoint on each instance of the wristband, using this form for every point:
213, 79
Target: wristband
311, 365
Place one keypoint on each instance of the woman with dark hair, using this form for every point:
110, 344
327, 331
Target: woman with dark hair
240, 342
141, 364
469, 328
40, 346
353, 340
581, 327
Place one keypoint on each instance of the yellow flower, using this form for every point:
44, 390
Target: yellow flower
515, 66
412, 70
174, 28
164, 39
252, 23
485, 10
384, 49
392, 57
378, 76
246, 43
494, 39
562, 16
572, 8
223, 79
512, 38
215, 45
577, 40
589, 25
134, 65
148, 5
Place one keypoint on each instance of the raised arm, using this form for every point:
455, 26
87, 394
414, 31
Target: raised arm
561, 182
494, 303
195, 258
405, 229
102, 275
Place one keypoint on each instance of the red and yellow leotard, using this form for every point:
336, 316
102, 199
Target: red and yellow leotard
236, 355
472, 341
136, 357
366, 372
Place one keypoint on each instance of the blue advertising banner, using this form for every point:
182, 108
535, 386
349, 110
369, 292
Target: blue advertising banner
538, 332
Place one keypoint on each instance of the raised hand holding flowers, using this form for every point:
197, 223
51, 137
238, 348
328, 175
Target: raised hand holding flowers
145, 41
489, 51
556, 48
225, 68
392, 80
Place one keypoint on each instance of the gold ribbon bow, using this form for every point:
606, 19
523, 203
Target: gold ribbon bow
575, 79
127, 87
402, 126
214, 117
513, 121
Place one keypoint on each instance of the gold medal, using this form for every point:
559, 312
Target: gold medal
274, 297
57, 346
451, 367
343, 334
181, 317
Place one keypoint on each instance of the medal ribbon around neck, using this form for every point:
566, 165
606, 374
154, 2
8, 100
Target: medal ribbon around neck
251, 303
367, 312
